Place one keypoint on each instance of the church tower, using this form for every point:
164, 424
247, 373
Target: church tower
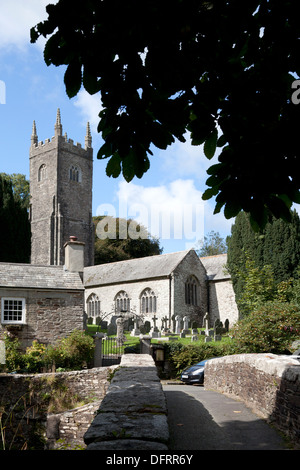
61, 175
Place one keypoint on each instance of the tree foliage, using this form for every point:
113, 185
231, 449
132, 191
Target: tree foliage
220, 70
272, 327
276, 247
212, 244
111, 246
15, 233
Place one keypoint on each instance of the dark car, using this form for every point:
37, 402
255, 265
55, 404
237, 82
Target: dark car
194, 374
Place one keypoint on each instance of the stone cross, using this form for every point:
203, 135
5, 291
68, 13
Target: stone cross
154, 321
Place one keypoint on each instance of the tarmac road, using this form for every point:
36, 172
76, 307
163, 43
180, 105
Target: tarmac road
200, 419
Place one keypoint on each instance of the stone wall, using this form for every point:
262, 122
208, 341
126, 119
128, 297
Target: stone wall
26, 398
267, 383
222, 304
133, 414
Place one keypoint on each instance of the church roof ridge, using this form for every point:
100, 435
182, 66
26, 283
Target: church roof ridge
134, 269
213, 256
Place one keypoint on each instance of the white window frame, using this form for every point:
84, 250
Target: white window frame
13, 321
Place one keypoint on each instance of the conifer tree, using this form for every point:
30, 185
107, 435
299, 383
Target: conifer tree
277, 246
14, 226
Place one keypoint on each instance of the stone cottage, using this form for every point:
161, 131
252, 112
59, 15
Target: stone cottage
42, 303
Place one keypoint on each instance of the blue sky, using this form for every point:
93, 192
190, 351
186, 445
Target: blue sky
29, 90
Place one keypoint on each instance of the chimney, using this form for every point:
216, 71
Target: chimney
74, 255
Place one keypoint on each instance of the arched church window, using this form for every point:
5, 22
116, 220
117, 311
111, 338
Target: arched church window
191, 291
75, 174
148, 301
42, 173
93, 306
122, 302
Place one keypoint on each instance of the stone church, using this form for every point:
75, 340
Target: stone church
61, 287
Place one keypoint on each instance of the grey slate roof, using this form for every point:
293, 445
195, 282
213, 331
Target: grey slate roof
33, 276
133, 270
215, 267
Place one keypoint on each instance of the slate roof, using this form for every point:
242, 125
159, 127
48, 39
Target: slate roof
29, 276
150, 267
215, 267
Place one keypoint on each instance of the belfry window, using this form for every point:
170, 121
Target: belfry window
75, 174
42, 174
122, 302
191, 291
148, 301
93, 306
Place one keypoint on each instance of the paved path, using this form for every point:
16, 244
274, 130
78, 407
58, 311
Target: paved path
203, 420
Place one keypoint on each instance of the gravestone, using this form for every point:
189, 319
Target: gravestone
136, 331
120, 330
155, 332
186, 325
178, 324
2, 352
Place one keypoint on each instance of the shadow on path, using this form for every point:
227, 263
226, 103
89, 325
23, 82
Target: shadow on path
203, 420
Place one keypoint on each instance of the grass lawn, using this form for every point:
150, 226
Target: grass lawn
132, 341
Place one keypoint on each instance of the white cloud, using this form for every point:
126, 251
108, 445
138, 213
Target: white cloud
173, 211
90, 107
17, 18
186, 160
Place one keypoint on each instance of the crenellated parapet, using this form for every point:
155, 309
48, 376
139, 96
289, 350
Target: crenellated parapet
60, 139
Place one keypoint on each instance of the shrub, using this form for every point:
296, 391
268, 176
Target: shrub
272, 327
33, 359
188, 355
71, 352
14, 360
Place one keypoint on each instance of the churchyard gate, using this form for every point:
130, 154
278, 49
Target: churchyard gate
112, 350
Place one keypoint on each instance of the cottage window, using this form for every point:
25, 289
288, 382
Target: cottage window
191, 291
75, 174
122, 302
12, 310
148, 301
93, 306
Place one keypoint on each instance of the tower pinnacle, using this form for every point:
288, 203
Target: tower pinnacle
58, 126
88, 137
34, 137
